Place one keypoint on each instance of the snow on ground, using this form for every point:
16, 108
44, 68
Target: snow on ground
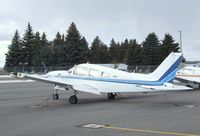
5, 76
14, 81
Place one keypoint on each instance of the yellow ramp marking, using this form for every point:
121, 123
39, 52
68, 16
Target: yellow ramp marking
150, 131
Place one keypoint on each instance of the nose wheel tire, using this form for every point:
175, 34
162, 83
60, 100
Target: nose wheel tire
55, 96
73, 99
111, 96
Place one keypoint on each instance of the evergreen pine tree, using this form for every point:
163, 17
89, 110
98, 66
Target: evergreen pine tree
28, 43
168, 46
14, 55
74, 54
134, 57
44, 40
59, 50
36, 50
45, 51
58, 40
124, 50
63, 38
150, 50
114, 51
83, 48
99, 52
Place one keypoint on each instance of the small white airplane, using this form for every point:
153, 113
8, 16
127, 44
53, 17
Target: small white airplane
98, 79
189, 75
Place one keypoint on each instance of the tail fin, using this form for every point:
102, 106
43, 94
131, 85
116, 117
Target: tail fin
166, 71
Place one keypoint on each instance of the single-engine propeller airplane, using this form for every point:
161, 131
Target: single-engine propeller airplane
190, 75
96, 79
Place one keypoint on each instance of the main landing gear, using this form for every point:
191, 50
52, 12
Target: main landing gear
111, 96
73, 99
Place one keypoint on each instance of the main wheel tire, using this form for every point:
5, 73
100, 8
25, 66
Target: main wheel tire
111, 96
55, 96
73, 99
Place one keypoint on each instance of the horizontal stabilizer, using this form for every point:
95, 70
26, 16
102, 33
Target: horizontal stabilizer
167, 87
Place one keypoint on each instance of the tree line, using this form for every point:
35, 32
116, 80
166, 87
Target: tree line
33, 49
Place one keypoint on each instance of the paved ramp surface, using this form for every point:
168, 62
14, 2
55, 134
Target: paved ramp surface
26, 109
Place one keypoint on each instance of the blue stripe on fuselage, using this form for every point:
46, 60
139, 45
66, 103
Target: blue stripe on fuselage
124, 81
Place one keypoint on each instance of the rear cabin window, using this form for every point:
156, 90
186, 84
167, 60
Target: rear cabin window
187, 71
81, 71
94, 73
197, 72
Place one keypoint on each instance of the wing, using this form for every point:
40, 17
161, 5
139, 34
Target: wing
60, 82
188, 78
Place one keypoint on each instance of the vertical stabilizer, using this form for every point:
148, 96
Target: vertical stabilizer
166, 71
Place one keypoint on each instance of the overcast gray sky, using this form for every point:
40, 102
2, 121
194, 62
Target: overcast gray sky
108, 19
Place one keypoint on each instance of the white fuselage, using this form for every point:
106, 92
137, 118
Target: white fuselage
105, 79
102, 78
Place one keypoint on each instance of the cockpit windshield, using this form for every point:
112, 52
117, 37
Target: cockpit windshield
71, 70
81, 71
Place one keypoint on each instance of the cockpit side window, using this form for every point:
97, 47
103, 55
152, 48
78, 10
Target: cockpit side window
81, 71
94, 73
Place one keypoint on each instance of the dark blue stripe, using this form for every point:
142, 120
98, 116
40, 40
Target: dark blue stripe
172, 68
124, 81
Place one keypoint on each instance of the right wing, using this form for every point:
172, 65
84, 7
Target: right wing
60, 82
188, 78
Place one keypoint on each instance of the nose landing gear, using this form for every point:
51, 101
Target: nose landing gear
55, 96
73, 99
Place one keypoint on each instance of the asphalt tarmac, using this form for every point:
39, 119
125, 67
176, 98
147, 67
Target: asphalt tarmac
27, 109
